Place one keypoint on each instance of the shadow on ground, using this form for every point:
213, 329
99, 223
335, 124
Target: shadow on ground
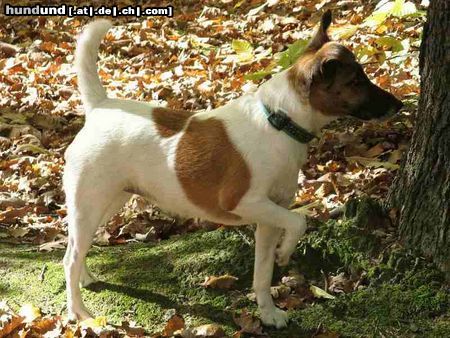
141, 282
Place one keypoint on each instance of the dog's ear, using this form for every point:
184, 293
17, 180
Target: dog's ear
321, 35
329, 69
322, 71
327, 65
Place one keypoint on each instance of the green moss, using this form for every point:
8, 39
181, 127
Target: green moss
390, 310
441, 327
139, 281
337, 244
142, 281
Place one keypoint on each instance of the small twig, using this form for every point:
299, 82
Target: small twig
337, 212
42, 274
387, 59
245, 237
335, 184
325, 278
319, 329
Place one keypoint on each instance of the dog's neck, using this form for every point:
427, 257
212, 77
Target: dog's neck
278, 93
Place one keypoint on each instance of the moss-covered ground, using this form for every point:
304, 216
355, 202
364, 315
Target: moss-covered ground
404, 296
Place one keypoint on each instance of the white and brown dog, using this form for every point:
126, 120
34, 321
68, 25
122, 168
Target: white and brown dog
237, 164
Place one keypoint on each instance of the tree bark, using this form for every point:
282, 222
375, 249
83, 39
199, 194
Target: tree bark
421, 190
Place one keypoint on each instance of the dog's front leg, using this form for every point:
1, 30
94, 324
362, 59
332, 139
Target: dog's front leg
271, 214
266, 238
289, 242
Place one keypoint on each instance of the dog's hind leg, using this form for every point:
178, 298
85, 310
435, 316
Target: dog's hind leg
86, 277
89, 204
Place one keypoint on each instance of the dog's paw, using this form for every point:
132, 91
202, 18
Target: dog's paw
78, 314
274, 317
282, 256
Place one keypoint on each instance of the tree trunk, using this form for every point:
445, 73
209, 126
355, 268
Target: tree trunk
421, 190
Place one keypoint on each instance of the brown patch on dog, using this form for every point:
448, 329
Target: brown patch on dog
321, 74
170, 121
300, 75
332, 91
328, 77
211, 171
323, 79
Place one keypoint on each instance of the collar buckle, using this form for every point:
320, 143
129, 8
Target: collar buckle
278, 119
281, 121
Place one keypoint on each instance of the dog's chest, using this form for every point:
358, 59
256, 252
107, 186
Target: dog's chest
285, 182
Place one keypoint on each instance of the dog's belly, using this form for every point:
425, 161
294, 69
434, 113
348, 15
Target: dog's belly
164, 192
171, 198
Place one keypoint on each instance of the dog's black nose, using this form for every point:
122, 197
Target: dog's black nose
395, 106
398, 105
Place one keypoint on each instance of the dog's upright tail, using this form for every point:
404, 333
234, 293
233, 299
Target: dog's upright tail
92, 91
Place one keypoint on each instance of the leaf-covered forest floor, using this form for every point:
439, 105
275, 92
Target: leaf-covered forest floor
389, 294
152, 264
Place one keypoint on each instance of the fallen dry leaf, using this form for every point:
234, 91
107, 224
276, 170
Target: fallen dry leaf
280, 291
11, 215
248, 323
9, 321
369, 162
11, 324
132, 331
340, 284
326, 334
395, 156
175, 323
94, 323
375, 151
320, 293
208, 331
50, 246
18, 232
29, 312
219, 282
45, 324
292, 301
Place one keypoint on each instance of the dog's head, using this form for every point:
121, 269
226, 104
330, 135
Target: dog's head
329, 77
